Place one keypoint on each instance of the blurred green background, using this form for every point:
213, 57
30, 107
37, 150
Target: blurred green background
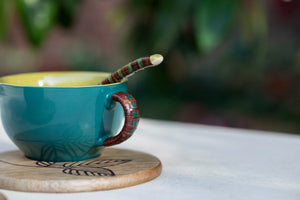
230, 63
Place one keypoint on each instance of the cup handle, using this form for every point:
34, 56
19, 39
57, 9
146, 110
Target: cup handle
132, 117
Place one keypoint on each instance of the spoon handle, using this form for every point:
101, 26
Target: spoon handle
133, 67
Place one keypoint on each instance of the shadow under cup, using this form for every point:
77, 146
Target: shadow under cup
65, 116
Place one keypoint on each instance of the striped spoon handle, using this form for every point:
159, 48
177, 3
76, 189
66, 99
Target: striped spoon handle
133, 67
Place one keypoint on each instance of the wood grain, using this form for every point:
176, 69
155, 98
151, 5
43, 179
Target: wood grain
2, 197
115, 168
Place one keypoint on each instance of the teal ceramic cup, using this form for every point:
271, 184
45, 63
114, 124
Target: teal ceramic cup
65, 116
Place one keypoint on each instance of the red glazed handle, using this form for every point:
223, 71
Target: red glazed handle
132, 117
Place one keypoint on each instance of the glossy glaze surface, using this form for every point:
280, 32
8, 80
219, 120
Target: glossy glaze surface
62, 122
55, 79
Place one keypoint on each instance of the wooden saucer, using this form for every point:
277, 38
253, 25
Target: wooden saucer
2, 197
115, 168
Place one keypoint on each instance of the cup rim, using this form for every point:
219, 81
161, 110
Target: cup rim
59, 87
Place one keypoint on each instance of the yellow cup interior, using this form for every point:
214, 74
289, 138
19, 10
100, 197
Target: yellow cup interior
55, 79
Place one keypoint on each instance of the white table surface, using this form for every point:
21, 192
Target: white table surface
202, 162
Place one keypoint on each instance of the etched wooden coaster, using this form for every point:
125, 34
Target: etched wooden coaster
115, 168
2, 197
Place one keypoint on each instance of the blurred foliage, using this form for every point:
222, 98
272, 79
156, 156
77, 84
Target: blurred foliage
196, 26
216, 54
222, 65
3, 22
39, 16
208, 45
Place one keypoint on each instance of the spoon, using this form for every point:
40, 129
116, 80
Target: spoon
131, 68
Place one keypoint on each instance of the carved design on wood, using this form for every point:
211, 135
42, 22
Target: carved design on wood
94, 167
